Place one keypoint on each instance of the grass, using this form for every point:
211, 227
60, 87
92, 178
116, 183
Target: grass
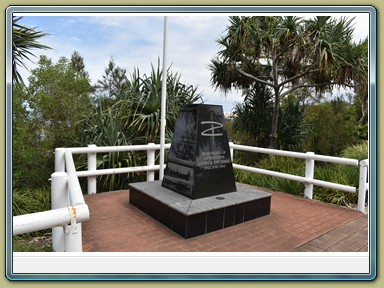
278, 164
342, 174
28, 243
26, 201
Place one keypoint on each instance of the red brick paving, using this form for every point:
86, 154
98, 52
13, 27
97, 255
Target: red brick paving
294, 224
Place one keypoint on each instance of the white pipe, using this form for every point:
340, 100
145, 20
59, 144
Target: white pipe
363, 185
73, 238
59, 199
309, 173
150, 162
326, 184
117, 171
49, 219
106, 149
74, 188
92, 161
338, 160
163, 102
59, 160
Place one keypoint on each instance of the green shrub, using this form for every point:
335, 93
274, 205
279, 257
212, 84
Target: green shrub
279, 164
333, 126
341, 174
26, 201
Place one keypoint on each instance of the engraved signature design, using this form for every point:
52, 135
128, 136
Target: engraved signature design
212, 130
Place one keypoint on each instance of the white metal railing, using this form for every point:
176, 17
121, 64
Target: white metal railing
150, 168
69, 208
308, 180
309, 157
92, 171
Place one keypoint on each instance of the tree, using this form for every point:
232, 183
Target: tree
254, 114
58, 101
332, 127
46, 115
77, 63
24, 39
357, 54
26, 157
284, 53
113, 85
292, 128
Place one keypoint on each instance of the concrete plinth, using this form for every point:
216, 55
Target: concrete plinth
192, 217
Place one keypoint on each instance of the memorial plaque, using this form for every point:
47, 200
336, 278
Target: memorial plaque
199, 161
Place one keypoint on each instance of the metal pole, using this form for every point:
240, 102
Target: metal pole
163, 101
92, 162
309, 173
59, 160
362, 185
151, 161
59, 199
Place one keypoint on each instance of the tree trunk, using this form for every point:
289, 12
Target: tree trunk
364, 112
275, 119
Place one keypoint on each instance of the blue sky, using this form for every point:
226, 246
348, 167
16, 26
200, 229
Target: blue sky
137, 42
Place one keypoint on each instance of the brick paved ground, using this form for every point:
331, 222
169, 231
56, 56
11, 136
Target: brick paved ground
350, 237
294, 224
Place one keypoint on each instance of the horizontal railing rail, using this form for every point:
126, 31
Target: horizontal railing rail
106, 149
300, 155
48, 219
301, 179
310, 157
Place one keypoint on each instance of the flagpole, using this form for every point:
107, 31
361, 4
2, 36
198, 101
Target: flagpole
163, 101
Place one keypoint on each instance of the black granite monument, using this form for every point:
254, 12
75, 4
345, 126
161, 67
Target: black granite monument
199, 161
198, 193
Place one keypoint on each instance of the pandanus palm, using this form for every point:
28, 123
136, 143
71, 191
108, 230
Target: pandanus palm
24, 39
284, 53
140, 110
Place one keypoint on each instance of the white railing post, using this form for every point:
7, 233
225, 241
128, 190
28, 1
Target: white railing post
92, 158
231, 150
362, 185
59, 199
73, 240
309, 173
151, 161
59, 160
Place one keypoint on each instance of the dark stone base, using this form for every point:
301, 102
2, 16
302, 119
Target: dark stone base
190, 218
